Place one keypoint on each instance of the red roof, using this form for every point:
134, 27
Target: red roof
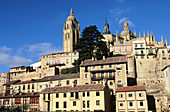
131, 88
77, 88
28, 81
109, 60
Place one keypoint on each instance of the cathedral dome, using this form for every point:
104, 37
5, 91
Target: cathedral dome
71, 17
126, 30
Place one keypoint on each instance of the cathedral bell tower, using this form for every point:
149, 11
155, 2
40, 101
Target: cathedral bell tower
71, 33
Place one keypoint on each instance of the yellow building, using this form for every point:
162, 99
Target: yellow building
113, 69
131, 99
95, 97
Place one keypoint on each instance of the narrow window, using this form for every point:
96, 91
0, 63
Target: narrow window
101, 66
57, 95
84, 105
110, 66
57, 104
88, 94
120, 95
64, 95
65, 105
74, 103
83, 94
141, 103
28, 86
32, 86
130, 95
86, 75
97, 102
88, 104
97, 93
23, 87
140, 94
67, 82
130, 103
121, 104
94, 75
72, 94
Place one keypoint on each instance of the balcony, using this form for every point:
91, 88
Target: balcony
101, 78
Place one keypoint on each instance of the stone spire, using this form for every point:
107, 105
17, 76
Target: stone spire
126, 25
144, 33
117, 34
135, 33
139, 35
166, 42
106, 27
71, 12
162, 39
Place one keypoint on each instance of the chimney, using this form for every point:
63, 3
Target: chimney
103, 57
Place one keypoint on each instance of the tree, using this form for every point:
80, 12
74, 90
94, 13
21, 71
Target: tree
91, 44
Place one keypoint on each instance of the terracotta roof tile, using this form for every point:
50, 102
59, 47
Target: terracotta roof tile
110, 60
12, 82
77, 88
59, 77
130, 88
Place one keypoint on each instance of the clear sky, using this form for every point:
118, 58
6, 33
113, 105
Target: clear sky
30, 28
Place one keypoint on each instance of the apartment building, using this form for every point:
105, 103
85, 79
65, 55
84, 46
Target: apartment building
112, 69
131, 99
92, 97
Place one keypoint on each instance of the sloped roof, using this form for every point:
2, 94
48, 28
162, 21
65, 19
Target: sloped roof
110, 60
12, 82
77, 88
130, 88
59, 77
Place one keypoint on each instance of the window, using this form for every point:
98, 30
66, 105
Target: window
84, 105
40, 85
141, 45
121, 104
110, 74
57, 104
67, 82
119, 83
118, 73
130, 95
75, 53
67, 54
150, 52
65, 105
61, 54
163, 51
97, 102
88, 94
47, 62
67, 61
136, 45
57, 95
102, 75
23, 87
59, 83
142, 57
136, 57
118, 66
141, 103
110, 66
94, 67
136, 52
83, 94
86, 69
111, 83
120, 95
101, 66
97, 93
28, 86
64, 95
0, 102
75, 81
86, 75
72, 94
88, 104
32, 86
74, 103
46, 84
140, 94
52, 61
130, 103
94, 75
